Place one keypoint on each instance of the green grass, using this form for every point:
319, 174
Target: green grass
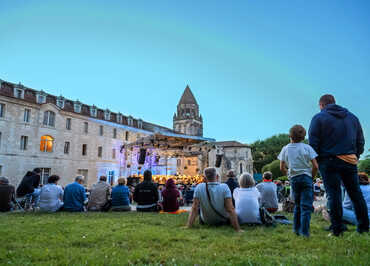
135, 238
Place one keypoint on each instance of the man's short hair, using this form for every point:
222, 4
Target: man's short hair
210, 173
53, 179
297, 133
147, 175
267, 175
4, 180
246, 180
37, 170
79, 178
103, 178
327, 99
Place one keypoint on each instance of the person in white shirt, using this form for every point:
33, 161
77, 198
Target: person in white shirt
51, 195
247, 200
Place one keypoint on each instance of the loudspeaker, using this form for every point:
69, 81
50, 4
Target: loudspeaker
218, 160
142, 156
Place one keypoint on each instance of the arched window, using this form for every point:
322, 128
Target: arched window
49, 119
46, 144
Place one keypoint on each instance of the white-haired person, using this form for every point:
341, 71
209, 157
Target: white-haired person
247, 199
75, 196
121, 196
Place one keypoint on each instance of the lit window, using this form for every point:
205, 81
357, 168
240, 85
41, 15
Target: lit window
49, 119
46, 144
27, 114
24, 142
2, 110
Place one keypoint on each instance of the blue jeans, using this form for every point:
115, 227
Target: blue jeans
303, 198
34, 197
334, 171
349, 216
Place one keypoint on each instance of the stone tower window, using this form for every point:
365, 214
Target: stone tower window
46, 144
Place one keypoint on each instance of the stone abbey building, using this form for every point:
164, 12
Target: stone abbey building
67, 137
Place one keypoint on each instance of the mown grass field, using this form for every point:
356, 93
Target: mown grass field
135, 238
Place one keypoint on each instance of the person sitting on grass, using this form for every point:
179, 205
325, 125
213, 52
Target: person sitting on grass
99, 196
171, 196
121, 196
7, 195
29, 187
247, 200
75, 196
298, 157
214, 201
268, 190
51, 195
349, 214
146, 194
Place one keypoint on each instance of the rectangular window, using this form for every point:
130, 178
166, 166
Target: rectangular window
2, 110
27, 115
0, 139
66, 147
1, 170
126, 135
69, 123
86, 127
84, 149
110, 178
19, 94
44, 176
101, 130
114, 154
100, 151
24, 142
114, 133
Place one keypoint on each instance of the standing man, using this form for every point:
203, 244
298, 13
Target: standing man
336, 135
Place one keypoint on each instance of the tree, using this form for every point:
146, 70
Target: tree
274, 168
364, 166
266, 151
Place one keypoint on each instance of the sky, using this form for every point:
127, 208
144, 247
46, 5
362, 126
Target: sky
256, 68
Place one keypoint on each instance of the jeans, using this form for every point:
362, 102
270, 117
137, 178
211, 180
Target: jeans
349, 216
334, 171
303, 199
34, 197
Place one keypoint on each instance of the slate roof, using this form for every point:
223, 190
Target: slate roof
231, 143
188, 97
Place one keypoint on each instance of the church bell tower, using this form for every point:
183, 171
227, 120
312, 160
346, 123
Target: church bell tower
187, 119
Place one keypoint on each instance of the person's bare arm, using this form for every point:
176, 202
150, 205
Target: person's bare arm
315, 168
232, 214
193, 213
283, 167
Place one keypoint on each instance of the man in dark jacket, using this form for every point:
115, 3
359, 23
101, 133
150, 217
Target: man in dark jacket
146, 194
337, 137
6, 195
29, 186
232, 183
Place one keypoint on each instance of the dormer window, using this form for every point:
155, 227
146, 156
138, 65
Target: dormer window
93, 111
60, 102
140, 123
19, 91
40, 97
130, 121
77, 106
119, 118
107, 115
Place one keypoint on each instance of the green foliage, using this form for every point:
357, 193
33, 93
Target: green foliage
266, 151
283, 178
160, 239
274, 168
364, 166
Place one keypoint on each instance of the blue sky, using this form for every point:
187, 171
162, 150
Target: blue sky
255, 67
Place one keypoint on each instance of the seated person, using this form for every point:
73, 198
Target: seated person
6, 195
348, 210
121, 196
75, 196
247, 200
268, 192
29, 187
99, 195
171, 196
214, 201
51, 195
146, 194
189, 194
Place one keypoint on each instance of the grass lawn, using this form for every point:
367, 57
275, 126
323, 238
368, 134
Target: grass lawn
135, 238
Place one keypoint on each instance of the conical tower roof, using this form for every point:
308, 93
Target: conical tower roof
188, 97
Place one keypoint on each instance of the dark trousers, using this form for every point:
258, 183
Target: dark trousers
303, 199
334, 171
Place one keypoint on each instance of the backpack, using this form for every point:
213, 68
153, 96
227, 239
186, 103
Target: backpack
266, 218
